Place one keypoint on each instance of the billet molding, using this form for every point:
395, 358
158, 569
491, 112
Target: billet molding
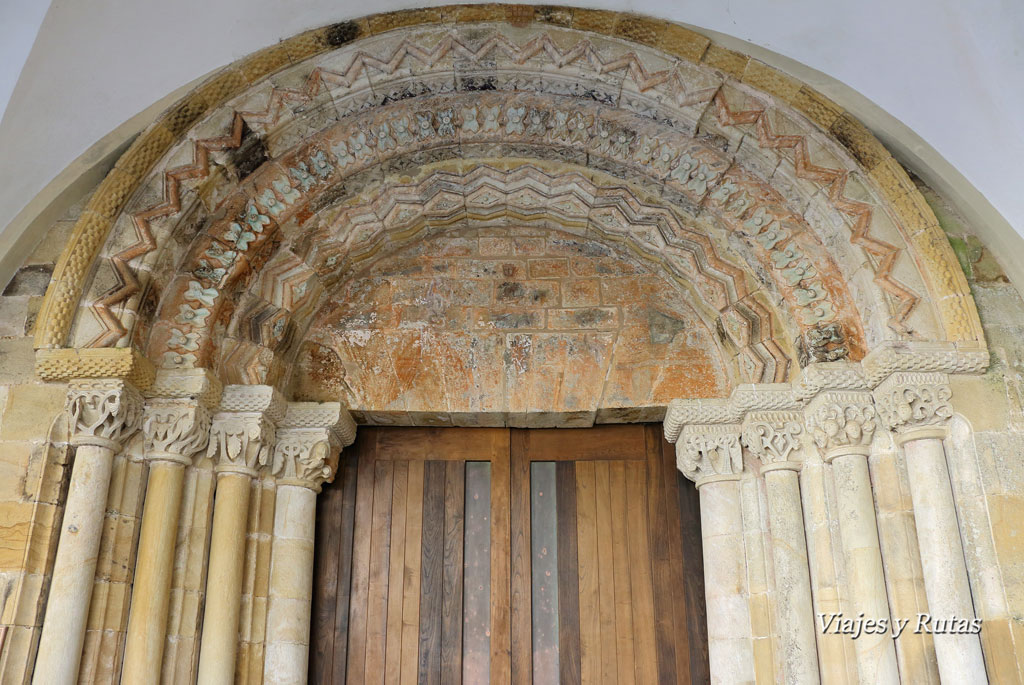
65, 364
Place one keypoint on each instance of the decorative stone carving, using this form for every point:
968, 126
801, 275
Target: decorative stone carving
915, 402
103, 412
175, 429
309, 440
841, 422
243, 432
709, 452
773, 436
241, 442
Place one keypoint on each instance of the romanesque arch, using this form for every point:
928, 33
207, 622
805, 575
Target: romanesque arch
223, 243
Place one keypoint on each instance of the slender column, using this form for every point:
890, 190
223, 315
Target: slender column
773, 436
916, 406
711, 456
843, 424
103, 413
175, 430
309, 441
240, 443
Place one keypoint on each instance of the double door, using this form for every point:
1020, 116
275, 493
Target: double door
494, 555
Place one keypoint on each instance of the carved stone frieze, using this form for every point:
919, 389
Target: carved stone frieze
103, 412
706, 453
175, 429
841, 422
774, 436
915, 402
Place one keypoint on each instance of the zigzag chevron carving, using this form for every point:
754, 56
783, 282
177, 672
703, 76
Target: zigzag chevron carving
173, 178
834, 181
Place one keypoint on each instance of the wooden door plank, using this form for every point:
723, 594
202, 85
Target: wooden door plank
411, 590
501, 485
678, 598
589, 584
325, 571
663, 574
544, 577
568, 576
623, 592
693, 575
522, 657
646, 656
356, 667
431, 574
606, 573
377, 587
596, 443
396, 574
345, 553
451, 601
477, 580
439, 444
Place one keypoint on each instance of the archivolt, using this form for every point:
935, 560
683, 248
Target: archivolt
791, 199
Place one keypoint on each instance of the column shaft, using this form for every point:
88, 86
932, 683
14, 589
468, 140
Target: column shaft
219, 646
147, 621
876, 654
793, 609
74, 569
959, 656
291, 586
730, 649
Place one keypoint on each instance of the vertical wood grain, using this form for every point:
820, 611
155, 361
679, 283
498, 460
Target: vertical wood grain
346, 550
396, 574
568, 576
664, 576
431, 573
693, 577
522, 658
623, 592
678, 598
544, 571
606, 573
411, 590
360, 569
646, 656
589, 584
501, 634
325, 571
477, 580
377, 586
451, 600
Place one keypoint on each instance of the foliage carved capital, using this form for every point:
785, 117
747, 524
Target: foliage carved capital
915, 402
841, 422
103, 412
705, 453
773, 436
175, 429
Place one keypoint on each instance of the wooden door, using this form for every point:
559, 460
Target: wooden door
461, 555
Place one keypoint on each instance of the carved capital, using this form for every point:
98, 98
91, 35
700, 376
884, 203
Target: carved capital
309, 440
841, 422
103, 412
175, 429
915, 405
774, 437
706, 453
240, 442
305, 456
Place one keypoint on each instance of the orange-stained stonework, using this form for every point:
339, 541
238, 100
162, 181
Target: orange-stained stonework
509, 321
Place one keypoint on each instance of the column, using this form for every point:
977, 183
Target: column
711, 456
916, 406
773, 437
102, 414
842, 425
309, 441
175, 430
241, 439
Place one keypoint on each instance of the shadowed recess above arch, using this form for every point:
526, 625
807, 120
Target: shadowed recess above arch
793, 233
